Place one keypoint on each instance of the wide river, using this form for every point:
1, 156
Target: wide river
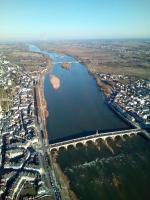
78, 106
109, 170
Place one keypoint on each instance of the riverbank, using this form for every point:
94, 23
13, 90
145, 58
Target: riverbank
81, 181
106, 56
41, 101
63, 180
89, 85
105, 88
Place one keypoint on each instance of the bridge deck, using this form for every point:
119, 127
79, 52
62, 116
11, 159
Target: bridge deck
94, 137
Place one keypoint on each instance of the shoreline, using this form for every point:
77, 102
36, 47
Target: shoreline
60, 175
57, 169
106, 89
63, 179
42, 108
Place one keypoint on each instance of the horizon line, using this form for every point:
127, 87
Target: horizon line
73, 39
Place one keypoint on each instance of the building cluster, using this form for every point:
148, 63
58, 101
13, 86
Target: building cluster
131, 97
19, 158
9, 79
8, 72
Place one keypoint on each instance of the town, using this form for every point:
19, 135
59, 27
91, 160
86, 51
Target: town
25, 166
128, 96
21, 173
21, 164
75, 100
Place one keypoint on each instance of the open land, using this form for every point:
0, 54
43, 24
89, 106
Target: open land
20, 55
127, 57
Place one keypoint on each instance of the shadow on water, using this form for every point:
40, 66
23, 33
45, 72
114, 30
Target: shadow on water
108, 170
119, 169
85, 133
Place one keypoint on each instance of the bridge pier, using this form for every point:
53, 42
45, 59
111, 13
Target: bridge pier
94, 139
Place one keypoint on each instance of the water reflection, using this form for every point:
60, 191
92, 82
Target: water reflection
75, 104
78, 106
111, 169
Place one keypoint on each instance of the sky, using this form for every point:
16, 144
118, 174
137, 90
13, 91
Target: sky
74, 19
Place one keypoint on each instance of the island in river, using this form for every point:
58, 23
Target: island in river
66, 65
116, 169
78, 107
55, 81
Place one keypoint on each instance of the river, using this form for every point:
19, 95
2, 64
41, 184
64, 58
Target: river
78, 107
116, 170
113, 170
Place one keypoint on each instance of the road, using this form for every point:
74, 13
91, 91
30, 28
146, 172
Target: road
44, 157
92, 137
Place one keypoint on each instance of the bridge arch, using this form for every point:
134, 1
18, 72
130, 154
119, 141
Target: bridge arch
89, 141
132, 134
110, 137
79, 144
125, 136
100, 140
72, 145
97, 138
53, 150
62, 148
117, 137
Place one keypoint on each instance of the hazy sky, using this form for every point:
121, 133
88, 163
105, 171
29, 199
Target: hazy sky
73, 19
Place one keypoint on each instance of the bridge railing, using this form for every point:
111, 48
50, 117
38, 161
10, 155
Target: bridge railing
97, 135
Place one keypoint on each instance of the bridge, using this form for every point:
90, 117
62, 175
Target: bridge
93, 138
70, 62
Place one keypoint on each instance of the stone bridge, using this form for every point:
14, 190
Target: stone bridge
70, 62
93, 138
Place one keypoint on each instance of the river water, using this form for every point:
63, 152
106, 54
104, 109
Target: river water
120, 171
112, 170
78, 106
